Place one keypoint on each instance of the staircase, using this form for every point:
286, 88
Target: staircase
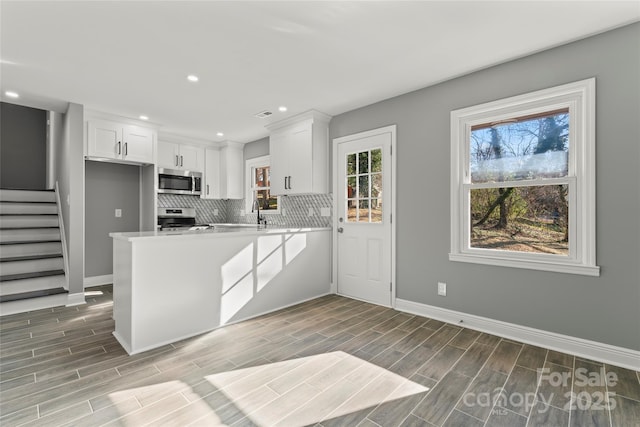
31, 261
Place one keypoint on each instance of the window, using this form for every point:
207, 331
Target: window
523, 181
364, 186
259, 186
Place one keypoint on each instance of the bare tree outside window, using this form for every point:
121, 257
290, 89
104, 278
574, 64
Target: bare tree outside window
522, 218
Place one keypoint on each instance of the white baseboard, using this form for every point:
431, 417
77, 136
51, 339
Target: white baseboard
610, 354
107, 279
75, 299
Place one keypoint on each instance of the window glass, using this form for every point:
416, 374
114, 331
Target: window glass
535, 219
364, 186
521, 148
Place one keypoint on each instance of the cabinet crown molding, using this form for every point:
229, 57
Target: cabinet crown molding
312, 115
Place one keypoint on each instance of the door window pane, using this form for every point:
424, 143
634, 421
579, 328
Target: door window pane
363, 162
363, 211
376, 160
364, 186
351, 164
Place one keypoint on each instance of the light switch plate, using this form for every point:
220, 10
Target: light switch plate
215, 212
311, 212
118, 213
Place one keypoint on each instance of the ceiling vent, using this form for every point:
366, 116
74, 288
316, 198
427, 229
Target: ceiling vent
263, 114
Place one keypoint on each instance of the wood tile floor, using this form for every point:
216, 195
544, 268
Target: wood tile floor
332, 361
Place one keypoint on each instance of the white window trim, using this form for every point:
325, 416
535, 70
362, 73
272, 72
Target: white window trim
248, 192
579, 97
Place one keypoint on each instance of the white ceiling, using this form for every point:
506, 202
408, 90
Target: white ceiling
132, 57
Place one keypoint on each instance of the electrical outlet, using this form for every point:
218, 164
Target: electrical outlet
325, 211
241, 212
442, 289
311, 212
118, 213
215, 212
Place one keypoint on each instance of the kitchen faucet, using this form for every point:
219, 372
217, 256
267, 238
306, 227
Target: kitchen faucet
256, 207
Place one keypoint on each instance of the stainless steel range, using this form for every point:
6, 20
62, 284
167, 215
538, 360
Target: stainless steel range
172, 219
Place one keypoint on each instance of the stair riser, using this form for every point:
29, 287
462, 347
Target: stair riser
31, 266
29, 235
27, 196
27, 221
28, 208
28, 285
22, 306
28, 249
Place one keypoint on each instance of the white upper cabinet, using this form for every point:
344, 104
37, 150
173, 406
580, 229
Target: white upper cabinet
299, 150
119, 141
223, 176
231, 171
211, 188
180, 156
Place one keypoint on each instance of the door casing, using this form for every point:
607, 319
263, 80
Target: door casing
392, 129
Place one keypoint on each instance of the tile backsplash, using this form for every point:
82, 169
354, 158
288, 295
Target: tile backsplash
296, 210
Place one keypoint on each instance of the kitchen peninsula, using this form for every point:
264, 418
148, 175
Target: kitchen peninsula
170, 286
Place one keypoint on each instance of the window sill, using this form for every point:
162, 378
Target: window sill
557, 267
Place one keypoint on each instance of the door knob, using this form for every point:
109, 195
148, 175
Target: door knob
340, 230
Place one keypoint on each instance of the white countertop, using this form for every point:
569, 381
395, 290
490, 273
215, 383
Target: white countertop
222, 229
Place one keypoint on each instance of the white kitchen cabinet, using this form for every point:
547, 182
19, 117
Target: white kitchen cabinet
299, 151
211, 188
180, 156
231, 171
119, 141
223, 175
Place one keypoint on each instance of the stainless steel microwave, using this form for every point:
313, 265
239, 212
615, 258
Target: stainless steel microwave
174, 181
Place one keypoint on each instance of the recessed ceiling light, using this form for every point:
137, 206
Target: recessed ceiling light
144, 118
282, 108
11, 94
220, 134
192, 78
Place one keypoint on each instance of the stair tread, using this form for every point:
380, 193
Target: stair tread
23, 242
32, 294
28, 228
33, 275
28, 214
27, 189
30, 257
29, 201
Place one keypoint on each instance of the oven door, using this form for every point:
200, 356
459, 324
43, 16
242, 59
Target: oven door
174, 182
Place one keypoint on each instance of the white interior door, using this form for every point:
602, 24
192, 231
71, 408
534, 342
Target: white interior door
363, 210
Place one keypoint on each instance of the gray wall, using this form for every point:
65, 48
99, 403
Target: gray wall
603, 309
256, 148
108, 186
23, 147
69, 173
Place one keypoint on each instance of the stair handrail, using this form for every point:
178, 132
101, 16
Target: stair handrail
63, 240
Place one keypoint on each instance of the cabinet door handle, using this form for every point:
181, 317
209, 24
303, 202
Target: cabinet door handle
119, 147
181, 159
177, 164
289, 182
207, 189
126, 152
285, 182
